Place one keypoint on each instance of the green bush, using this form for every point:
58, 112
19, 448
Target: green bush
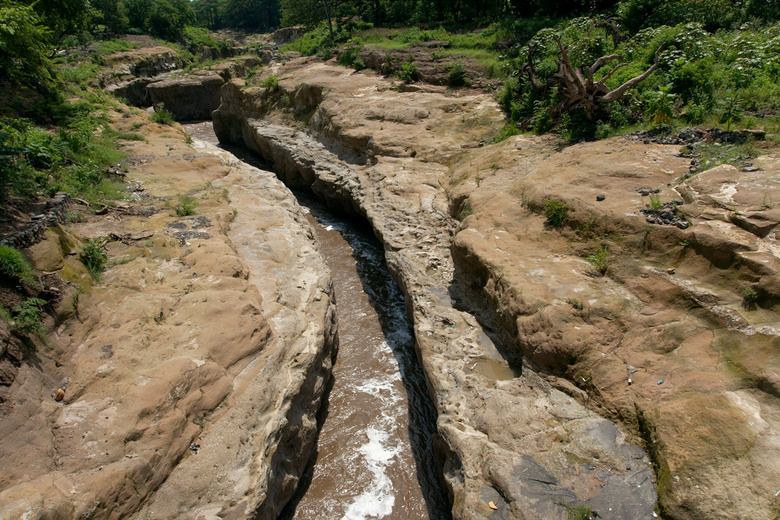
600, 260
456, 75
348, 56
660, 107
27, 316
408, 73
358, 64
271, 83
186, 206
161, 115
94, 257
13, 265
556, 212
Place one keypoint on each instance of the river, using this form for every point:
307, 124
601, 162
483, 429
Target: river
374, 454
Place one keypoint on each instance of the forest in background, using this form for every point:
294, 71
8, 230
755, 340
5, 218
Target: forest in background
711, 62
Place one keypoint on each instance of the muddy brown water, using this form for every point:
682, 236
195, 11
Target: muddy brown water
374, 454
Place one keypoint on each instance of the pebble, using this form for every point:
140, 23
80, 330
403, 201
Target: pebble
600, 197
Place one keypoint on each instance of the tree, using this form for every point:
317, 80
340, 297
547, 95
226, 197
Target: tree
577, 87
23, 45
65, 17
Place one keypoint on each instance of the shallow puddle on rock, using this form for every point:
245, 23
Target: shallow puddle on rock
495, 370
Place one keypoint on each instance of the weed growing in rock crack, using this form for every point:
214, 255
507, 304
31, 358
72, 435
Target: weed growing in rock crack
161, 115
749, 299
555, 212
27, 317
583, 512
94, 257
600, 260
14, 265
186, 206
575, 303
655, 202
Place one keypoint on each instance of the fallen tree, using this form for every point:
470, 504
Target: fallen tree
576, 86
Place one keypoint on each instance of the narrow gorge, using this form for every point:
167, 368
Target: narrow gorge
216, 371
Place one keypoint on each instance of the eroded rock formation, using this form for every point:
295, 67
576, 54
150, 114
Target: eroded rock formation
188, 381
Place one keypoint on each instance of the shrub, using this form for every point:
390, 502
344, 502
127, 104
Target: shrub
349, 55
271, 83
358, 64
600, 260
456, 76
14, 265
749, 299
94, 257
556, 212
27, 316
660, 107
186, 206
161, 115
408, 73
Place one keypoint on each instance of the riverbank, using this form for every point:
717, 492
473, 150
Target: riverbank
204, 349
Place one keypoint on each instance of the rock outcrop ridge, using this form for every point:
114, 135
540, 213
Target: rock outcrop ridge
191, 376
515, 442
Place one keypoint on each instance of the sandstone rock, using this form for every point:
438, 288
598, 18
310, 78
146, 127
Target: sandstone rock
492, 430
518, 443
234, 357
188, 98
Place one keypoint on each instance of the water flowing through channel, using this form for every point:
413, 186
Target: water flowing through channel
374, 453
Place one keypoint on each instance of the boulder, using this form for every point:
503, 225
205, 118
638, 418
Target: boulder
188, 98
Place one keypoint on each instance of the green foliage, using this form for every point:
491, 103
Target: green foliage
13, 265
456, 75
24, 46
408, 73
94, 257
660, 107
186, 206
349, 54
27, 317
358, 64
73, 159
556, 213
731, 110
161, 115
582, 512
271, 82
655, 202
749, 298
575, 303
599, 259
506, 132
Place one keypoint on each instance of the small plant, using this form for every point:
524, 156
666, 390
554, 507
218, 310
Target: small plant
14, 265
94, 257
186, 206
655, 202
575, 303
271, 83
407, 73
358, 64
767, 202
161, 115
660, 107
749, 299
600, 260
732, 113
27, 316
556, 212
583, 512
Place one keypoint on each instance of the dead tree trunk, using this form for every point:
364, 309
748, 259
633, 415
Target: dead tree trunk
577, 87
